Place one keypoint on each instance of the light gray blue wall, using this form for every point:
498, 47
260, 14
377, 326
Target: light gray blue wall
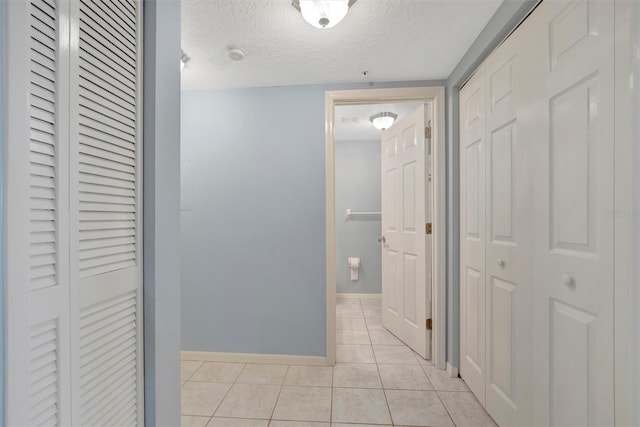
506, 18
358, 188
253, 241
161, 212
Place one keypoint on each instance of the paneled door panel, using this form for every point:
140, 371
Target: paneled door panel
573, 257
472, 234
406, 256
509, 267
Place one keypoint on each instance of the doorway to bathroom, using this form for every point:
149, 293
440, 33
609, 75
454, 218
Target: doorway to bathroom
385, 288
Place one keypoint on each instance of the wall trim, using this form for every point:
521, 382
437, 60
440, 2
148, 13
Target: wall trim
452, 370
273, 359
358, 296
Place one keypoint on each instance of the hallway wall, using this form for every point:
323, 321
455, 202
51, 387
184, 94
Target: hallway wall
358, 188
253, 219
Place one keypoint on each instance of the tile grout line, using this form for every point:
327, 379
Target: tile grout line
279, 393
226, 394
384, 391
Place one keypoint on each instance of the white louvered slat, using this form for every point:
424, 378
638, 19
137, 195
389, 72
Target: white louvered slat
43, 185
108, 354
43, 363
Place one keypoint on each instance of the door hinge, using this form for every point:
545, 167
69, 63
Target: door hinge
427, 132
428, 228
428, 324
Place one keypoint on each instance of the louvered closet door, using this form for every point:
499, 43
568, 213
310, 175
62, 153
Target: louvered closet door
37, 237
105, 191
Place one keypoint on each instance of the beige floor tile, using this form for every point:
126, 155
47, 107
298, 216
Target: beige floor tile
262, 374
417, 408
249, 401
465, 410
354, 353
303, 404
371, 302
422, 361
191, 421
348, 302
347, 323
218, 372
394, 354
442, 381
352, 336
202, 398
356, 375
312, 376
188, 368
359, 425
349, 312
372, 313
353, 405
237, 422
383, 337
374, 324
404, 377
282, 423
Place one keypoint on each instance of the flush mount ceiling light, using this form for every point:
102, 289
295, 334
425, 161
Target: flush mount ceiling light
323, 13
184, 58
383, 120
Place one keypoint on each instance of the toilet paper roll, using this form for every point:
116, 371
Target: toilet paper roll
354, 265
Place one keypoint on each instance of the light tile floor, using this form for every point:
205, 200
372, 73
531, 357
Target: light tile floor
377, 381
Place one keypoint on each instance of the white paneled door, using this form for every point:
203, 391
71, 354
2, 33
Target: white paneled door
74, 217
536, 262
573, 254
472, 234
406, 247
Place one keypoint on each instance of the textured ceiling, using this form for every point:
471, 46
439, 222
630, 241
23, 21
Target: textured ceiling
394, 40
352, 121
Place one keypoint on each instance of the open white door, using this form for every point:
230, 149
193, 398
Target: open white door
406, 246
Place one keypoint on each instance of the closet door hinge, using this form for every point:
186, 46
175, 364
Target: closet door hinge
427, 132
428, 324
428, 228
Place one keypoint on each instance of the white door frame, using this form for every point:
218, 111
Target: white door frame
434, 95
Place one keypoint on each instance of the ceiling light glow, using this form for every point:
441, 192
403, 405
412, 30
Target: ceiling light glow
323, 13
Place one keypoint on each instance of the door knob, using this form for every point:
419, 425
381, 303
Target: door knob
567, 280
501, 263
382, 239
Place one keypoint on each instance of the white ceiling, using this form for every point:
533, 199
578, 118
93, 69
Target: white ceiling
395, 40
352, 121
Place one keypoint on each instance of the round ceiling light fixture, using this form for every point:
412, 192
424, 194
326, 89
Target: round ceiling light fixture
235, 53
383, 120
323, 13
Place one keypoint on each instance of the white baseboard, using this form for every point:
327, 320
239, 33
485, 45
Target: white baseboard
351, 296
453, 371
272, 359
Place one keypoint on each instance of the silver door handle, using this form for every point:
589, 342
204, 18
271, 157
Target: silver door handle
382, 239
